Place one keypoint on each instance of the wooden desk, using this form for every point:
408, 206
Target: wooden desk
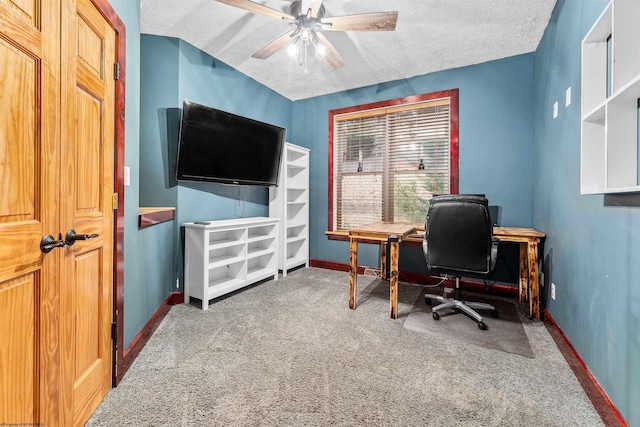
528, 239
529, 282
381, 232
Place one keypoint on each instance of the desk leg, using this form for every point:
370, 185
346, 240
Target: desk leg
353, 272
534, 298
383, 260
524, 273
393, 280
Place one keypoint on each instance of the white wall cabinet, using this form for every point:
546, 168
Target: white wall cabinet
610, 91
223, 256
289, 202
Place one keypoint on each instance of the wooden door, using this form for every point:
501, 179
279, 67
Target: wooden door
56, 174
29, 191
87, 182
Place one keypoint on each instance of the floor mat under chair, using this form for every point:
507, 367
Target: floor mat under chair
504, 333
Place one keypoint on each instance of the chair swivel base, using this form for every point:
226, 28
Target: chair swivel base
445, 297
466, 307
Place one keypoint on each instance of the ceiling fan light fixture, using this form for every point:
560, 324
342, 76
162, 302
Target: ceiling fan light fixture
306, 34
304, 40
309, 25
321, 50
297, 50
293, 48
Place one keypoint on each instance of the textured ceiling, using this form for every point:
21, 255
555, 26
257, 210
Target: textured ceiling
431, 35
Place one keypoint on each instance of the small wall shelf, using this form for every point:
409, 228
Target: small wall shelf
609, 157
152, 216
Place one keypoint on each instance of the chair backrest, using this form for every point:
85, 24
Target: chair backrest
458, 237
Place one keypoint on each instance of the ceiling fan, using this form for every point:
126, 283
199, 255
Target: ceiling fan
308, 26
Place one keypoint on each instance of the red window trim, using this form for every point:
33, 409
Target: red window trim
452, 94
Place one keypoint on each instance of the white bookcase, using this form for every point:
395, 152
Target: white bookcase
289, 202
222, 256
610, 90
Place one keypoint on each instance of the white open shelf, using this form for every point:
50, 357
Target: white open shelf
223, 256
609, 157
290, 203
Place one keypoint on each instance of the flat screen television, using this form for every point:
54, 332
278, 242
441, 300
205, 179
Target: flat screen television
218, 146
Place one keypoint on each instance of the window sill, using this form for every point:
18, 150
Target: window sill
152, 216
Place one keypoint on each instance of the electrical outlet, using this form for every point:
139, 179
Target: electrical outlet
177, 283
553, 291
127, 175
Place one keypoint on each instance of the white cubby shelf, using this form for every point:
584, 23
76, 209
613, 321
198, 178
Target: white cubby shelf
609, 154
226, 255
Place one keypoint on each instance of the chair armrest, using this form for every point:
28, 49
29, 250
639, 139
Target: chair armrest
425, 248
494, 252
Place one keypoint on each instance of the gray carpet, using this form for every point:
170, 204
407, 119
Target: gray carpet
504, 333
291, 353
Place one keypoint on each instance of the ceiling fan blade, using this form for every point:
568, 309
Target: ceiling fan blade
274, 46
379, 21
331, 57
259, 9
315, 8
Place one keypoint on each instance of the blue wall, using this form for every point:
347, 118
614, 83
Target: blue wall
160, 67
148, 253
510, 148
495, 142
173, 71
138, 309
592, 252
208, 81
178, 71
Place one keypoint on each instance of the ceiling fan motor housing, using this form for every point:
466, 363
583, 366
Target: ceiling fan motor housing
295, 9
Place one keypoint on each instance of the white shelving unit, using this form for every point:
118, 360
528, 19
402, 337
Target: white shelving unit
289, 202
610, 91
222, 256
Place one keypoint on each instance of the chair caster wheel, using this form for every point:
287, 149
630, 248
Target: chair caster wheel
494, 313
435, 315
482, 326
427, 300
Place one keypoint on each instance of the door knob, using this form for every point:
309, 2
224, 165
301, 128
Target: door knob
71, 237
49, 243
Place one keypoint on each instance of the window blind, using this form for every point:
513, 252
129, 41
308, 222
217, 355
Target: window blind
389, 162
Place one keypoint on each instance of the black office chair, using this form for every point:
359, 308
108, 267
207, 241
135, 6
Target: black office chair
458, 241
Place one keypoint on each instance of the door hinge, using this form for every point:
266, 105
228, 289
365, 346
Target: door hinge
116, 71
115, 201
114, 331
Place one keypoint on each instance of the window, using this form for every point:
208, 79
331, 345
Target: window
387, 159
